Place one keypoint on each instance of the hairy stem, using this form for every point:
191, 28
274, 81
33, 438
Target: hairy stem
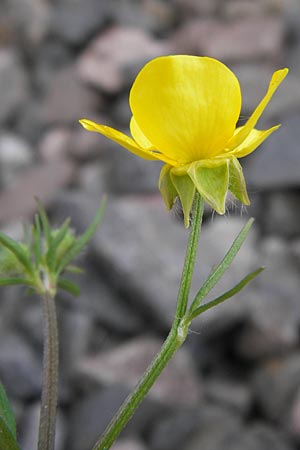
174, 340
46, 439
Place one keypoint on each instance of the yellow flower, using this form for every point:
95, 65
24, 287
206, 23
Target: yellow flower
184, 113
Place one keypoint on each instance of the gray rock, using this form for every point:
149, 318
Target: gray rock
141, 251
154, 16
127, 253
103, 63
276, 385
251, 38
75, 22
281, 214
43, 180
216, 428
177, 385
27, 20
128, 444
254, 343
62, 142
271, 168
177, 429
257, 437
20, 370
193, 7
93, 413
254, 79
15, 156
93, 177
128, 174
292, 421
231, 394
237, 9
101, 303
13, 84
275, 307
68, 99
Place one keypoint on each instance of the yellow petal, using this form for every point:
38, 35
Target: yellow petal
244, 131
139, 136
253, 140
118, 137
186, 106
143, 142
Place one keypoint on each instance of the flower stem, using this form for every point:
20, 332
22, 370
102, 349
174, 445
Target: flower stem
174, 340
46, 439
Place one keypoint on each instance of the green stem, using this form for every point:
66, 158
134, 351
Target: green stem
190, 257
46, 439
174, 340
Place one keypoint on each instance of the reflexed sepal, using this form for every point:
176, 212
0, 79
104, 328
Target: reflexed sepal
165, 185
211, 179
237, 184
186, 192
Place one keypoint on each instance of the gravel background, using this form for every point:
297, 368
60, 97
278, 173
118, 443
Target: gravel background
236, 382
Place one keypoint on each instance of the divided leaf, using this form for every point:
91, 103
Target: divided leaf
215, 276
228, 294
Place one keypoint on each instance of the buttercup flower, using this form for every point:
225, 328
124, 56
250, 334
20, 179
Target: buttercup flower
184, 113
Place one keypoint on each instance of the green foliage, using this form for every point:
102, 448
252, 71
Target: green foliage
7, 440
44, 255
8, 430
228, 294
6, 412
219, 271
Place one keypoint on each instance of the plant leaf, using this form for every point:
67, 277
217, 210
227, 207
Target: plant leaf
228, 294
6, 412
12, 281
51, 253
7, 440
74, 269
45, 222
68, 286
81, 242
215, 276
17, 250
36, 240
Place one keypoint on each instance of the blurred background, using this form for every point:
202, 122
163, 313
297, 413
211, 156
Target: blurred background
236, 382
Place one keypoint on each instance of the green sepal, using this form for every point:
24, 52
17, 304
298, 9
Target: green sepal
68, 286
165, 185
6, 412
211, 180
7, 440
228, 294
186, 192
221, 268
237, 184
81, 242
